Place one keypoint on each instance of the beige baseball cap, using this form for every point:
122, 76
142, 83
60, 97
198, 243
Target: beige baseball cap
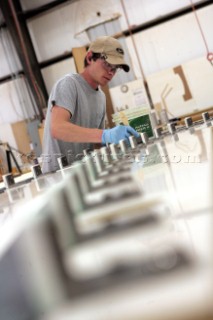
111, 49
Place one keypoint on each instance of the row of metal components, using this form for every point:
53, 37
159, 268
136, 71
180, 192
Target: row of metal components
114, 152
37, 255
110, 165
171, 127
100, 187
113, 149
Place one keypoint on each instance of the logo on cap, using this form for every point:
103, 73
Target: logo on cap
120, 50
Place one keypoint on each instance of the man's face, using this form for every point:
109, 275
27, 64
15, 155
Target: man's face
102, 72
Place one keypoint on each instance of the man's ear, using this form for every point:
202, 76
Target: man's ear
89, 56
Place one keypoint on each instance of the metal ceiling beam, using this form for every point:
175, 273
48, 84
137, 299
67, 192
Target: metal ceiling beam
17, 27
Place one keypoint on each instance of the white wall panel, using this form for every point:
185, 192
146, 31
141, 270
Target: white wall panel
167, 86
52, 73
52, 33
93, 13
199, 75
173, 42
4, 67
141, 11
10, 62
6, 135
15, 104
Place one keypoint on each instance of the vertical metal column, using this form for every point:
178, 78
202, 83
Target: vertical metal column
17, 27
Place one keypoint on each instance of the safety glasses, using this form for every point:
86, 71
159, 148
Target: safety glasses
110, 67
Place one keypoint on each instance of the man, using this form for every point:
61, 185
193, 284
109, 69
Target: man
77, 106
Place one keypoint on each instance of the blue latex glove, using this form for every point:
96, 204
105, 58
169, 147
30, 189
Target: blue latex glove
118, 133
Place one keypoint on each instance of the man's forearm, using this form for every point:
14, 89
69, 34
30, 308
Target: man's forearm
73, 133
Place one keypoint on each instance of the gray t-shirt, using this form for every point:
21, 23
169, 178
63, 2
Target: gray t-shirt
87, 107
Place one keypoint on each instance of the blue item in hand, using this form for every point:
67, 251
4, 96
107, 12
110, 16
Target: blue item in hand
118, 133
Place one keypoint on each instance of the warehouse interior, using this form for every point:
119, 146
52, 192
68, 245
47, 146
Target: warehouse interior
125, 233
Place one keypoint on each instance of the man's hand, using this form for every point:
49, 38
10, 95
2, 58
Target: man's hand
118, 133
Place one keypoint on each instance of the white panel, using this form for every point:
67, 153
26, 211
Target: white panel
92, 13
172, 43
168, 86
141, 11
10, 62
52, 73
199, 75
6, 135
4, 67
52, 33
15, 104
129, 95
